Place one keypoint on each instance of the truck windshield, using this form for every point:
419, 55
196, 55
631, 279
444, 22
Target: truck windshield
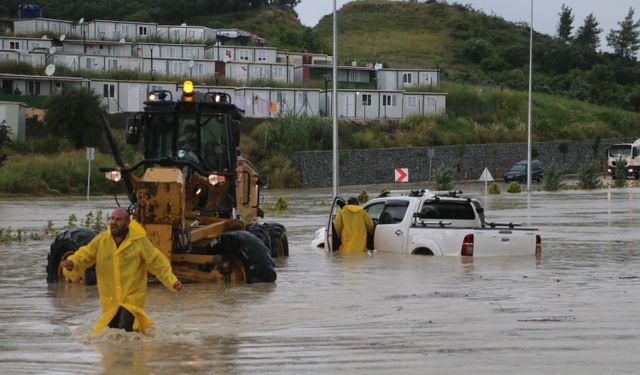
199, 138
617, 151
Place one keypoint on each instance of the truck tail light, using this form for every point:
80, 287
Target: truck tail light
538, 245
467, 246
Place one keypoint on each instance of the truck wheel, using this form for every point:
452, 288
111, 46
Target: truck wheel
65, 244
279, 241
261, 231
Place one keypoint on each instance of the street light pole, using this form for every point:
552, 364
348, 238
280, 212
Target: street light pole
334, 102
529, 105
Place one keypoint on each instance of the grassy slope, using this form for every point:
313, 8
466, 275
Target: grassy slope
414, 35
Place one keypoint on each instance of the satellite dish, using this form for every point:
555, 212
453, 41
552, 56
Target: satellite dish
191, 63
122, 40
62, 37
81, 21
52, 50
183, 24
50, 69
44, 37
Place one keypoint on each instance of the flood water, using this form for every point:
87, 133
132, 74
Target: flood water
575, 310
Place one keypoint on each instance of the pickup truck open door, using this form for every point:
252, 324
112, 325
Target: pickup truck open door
331, 239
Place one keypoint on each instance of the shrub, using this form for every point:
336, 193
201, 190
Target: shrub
620, 173
443, 177
588, 174
281, 204
514, 187
279, 172
494, 188
363, 197
553, 177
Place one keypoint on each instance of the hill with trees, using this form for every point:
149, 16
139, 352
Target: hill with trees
472, 47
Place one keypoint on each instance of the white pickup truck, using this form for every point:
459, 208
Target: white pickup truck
425, 223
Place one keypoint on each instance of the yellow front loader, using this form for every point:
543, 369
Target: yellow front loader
196, 197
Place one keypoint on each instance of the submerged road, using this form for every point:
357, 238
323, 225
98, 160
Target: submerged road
575, 310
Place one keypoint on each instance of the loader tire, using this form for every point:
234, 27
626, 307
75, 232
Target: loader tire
279, 241
255, 256
261, 231
65, 244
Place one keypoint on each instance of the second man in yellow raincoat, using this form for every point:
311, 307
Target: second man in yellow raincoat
352, 224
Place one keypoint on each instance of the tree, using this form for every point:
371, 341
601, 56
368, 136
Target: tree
626, 41
565, 25
588, 35
4, 139
75, 114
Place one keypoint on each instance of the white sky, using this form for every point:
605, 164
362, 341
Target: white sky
545, 12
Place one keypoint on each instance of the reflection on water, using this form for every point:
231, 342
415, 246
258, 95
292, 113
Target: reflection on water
574, 310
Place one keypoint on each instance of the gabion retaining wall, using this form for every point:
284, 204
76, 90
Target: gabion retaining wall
373, 166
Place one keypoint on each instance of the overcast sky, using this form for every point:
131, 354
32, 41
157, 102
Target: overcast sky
545, 12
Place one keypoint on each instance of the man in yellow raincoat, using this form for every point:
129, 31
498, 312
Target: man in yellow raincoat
123, 254
352, 224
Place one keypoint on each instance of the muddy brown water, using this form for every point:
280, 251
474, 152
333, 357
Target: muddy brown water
575, 310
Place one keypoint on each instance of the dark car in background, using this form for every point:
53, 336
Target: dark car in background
519, 171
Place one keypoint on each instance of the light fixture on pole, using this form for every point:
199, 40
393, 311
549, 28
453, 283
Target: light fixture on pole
84, 39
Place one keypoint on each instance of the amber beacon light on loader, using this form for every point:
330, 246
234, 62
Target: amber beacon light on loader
196, 197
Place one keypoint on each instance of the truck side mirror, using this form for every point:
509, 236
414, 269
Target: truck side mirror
636, 151
132, 131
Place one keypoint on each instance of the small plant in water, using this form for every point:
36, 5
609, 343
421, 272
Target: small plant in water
588, 174
553, 177
88, 220
620, 173
514, 187
363, 197
494, 188
281, 204
49, 229
98, 223
443, 177
72, 221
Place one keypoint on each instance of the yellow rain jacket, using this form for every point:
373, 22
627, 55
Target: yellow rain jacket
352, 223
122, 273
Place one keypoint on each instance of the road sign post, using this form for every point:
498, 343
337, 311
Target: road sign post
486, 177
431, 152
90, 156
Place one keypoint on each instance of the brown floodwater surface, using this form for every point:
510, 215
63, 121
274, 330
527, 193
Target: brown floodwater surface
574, 310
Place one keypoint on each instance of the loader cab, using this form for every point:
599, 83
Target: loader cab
204, 132
198, 134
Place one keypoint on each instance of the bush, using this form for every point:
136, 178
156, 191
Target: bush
443, 177
281, 204
494, 188
553, 177
588, 174
620, 173
279, 172
514, 187
363, 197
